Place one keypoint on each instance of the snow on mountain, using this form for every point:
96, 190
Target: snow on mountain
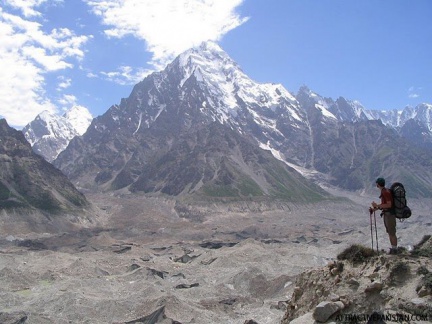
166, 136
49, 134
229, 87
79, 117
423, 113
397, 118
47, 125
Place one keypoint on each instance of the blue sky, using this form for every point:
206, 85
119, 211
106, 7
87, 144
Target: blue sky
57, 53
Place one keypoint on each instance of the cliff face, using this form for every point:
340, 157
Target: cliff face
363, 286
34, 195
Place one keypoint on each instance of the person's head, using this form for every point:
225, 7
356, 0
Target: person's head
380, 182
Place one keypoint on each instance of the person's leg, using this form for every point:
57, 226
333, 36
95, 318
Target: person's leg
390, 225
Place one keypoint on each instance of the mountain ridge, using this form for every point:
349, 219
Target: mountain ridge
203, 85
49, 134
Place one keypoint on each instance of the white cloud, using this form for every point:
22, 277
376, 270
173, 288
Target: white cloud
64, 83
26, 6
67, 101
126, 75
27, 54
413, 92
168, 27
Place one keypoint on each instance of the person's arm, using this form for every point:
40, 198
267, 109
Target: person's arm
387, 204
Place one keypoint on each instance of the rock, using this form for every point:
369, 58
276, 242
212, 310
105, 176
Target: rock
281, 305
101, 272
156, 317
160, 274
216, 245
185, 258
146, 258
32, 245
423, 292
133, 267
304, 319
123, 250
207, 262
353, 282
374, 276
250, 322
340, 304
229, 301
418, 302
186, 286
345, 300
13, 318
297, 293
333, 297
324, 310
375, 286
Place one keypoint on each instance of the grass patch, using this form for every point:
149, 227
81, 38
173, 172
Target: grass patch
422, 249
248, 187
356, 254
4, 192
422, 271
220, 191
427, 281
399, 273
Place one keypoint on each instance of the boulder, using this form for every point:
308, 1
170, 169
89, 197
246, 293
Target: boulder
324, 310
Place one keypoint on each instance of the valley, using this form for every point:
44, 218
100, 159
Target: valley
152, 258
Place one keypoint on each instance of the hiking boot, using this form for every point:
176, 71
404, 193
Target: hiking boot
393, 251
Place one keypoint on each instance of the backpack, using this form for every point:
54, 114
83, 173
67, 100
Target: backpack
400, 208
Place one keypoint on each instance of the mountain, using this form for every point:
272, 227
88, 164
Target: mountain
79, 117
412, 123
49, 134
353, 149
28, 182
178, 133
168, 137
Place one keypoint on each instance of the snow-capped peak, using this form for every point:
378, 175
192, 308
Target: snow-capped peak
227, 83
49, 134
79, 117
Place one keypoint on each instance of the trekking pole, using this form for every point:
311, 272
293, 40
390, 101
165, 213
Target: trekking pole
370, 217
376, 233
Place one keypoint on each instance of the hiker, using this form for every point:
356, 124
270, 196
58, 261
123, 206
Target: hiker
387, 213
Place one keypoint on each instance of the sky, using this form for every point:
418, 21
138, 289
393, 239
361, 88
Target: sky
55, 54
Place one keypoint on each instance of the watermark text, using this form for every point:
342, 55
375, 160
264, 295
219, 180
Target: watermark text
352, 318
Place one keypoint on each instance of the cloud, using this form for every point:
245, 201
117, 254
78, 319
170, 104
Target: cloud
64, 83
413, 92
67, 101
126, 75
26, 6
27, 55
168, 27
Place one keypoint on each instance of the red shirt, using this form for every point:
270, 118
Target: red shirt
386, 197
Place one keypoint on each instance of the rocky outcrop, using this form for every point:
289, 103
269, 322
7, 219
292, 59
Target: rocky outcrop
34, 195
381, 287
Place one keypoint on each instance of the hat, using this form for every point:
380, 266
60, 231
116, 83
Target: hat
380, 181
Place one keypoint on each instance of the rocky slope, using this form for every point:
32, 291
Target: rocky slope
33, 193
363, 286
143, 144
176, 134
